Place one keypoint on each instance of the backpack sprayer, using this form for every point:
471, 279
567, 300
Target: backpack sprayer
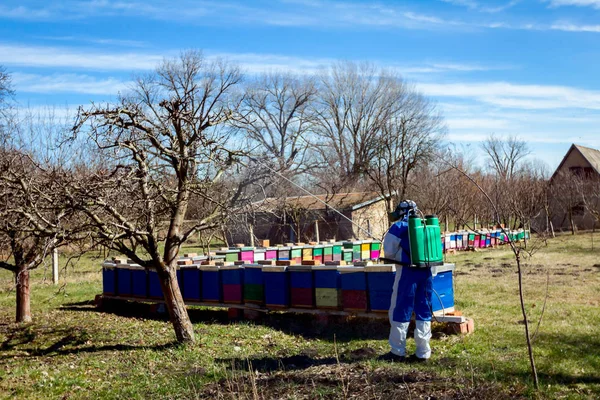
424, 247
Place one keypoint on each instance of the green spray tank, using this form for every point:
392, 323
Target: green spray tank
425, 241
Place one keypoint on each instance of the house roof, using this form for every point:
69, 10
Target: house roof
592, 156
340, 201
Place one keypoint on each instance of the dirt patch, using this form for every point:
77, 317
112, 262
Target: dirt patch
351, 381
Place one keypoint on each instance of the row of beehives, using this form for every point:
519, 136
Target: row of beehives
350, 288
348, 251
481, 239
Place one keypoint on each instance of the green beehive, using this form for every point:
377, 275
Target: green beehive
296, 252
347, 255
337, 249
327, 250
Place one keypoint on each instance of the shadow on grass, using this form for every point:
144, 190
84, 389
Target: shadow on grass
71, 341
344, 328
308, 358
570, 358
574, 349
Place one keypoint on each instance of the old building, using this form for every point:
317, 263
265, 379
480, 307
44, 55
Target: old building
574, 195
308, 218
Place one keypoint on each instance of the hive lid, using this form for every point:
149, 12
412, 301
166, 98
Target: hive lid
325, 267
350, 269
255, 266
442, 268
232, 267
381, 268
274, 268
300, 268
209, 268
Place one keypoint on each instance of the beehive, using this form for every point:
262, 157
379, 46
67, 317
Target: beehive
190, 275
253, 284
327, 287
276, 280
210, 280
380, 281
232, 281
109, 278
354, 288
301, 286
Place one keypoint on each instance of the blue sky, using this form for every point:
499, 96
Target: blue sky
527, 68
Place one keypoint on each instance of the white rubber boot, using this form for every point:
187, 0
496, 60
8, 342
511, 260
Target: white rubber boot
422, 336
398, 333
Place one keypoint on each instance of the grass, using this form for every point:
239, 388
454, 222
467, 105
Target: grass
73, 351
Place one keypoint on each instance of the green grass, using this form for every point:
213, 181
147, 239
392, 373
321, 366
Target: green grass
73, 351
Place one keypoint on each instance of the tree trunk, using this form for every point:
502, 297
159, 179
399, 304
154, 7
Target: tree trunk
184, 330
572, 223
23, 294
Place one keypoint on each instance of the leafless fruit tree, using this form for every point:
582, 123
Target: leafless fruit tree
160, 146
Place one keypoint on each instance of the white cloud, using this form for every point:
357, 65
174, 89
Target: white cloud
67, 83
252, 63
477, 6
481, 124
577, 3
569, 27
510, 95
101, 41
39, 56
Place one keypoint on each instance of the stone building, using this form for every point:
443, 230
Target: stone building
308, 218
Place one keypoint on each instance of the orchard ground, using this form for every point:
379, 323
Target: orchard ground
72, 350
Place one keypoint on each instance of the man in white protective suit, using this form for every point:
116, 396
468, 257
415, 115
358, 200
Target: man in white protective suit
412, 290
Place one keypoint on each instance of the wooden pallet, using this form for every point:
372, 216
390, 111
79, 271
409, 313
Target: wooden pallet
448, 315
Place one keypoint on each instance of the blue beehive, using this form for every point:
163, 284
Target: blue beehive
443, 295
139, 281
276, 279
354, 288
211, 283
154, 289
253, 284
327, 287
123, 280
380, 283
190, 275
109, 278
232, 282
301, 286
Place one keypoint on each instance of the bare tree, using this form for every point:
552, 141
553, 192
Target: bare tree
409, 138
505, 155
355, 103
35, 219
159, 147
276, 116
567, 199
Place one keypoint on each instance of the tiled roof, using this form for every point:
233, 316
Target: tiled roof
591, 155
340, 201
